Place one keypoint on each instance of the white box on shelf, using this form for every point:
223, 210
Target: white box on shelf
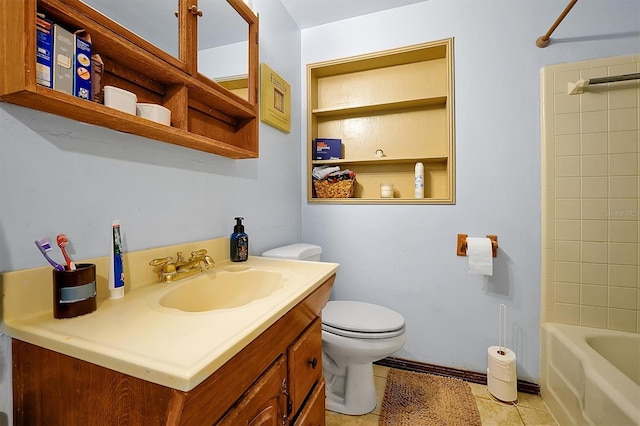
120, 99
154, 112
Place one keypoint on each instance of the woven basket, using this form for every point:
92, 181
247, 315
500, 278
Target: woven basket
338, 189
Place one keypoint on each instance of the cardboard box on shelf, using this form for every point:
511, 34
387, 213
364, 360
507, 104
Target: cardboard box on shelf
63, 50
44, 51
327, 148
82, 66
97, 69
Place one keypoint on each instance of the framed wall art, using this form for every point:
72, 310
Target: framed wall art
275, 99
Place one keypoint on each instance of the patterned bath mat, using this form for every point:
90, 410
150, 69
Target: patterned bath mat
412, 399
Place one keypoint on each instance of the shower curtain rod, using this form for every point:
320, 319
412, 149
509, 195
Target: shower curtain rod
543, 41
579, 86
614, 78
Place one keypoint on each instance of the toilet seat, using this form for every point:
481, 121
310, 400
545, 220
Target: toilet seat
361, 320
361, 334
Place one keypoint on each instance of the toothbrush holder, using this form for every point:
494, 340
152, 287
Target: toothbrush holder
74, 292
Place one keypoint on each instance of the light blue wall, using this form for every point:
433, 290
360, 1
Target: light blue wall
58, 175
404, 257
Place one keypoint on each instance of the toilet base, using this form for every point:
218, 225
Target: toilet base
359, 390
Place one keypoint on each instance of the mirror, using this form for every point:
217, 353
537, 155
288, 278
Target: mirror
223, 34
223, 46
158, 24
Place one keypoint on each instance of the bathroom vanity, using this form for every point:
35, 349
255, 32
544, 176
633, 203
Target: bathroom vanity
269, 379
259, 363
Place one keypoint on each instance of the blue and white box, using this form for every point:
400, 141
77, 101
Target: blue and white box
82, 68
44, 51
327, 148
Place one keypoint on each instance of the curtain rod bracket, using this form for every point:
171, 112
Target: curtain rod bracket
544, 40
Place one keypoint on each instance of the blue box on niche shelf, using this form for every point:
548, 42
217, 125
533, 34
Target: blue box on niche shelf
327, 148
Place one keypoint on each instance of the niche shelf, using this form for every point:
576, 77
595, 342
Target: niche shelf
399, 101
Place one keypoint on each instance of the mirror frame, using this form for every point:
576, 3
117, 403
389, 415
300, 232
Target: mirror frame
104, 20
252, 42
188, 48
187, 60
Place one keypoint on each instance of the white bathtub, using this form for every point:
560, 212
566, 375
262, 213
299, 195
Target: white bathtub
590, 375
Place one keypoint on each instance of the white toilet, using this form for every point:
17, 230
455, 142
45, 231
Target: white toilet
354, 335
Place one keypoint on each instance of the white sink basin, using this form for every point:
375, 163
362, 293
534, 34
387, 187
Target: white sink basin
230, 287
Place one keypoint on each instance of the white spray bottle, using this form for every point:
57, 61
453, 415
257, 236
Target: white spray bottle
419, 181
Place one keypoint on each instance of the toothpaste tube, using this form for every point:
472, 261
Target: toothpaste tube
116, 267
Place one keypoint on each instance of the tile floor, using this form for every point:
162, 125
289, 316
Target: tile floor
531, 410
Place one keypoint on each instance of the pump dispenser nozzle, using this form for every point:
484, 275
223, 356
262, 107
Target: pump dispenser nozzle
239, 227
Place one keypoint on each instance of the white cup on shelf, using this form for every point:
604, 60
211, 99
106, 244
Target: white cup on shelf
386, 190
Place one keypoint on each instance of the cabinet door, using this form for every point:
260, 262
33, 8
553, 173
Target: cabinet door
223, 45
265, 402
305, 364
313, 413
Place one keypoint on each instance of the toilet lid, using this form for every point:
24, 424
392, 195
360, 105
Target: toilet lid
361, 317
294, 251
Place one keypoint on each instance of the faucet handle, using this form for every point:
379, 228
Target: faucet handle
161, 261
198, 253
165, 267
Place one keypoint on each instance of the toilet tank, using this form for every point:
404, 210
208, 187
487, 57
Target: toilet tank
299, 251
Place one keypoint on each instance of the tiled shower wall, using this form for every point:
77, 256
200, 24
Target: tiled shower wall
590, 196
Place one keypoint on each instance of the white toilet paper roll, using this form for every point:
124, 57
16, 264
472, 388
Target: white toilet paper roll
504, 391
480, 254
502, 367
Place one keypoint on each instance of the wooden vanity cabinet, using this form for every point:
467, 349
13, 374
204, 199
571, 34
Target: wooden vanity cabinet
265, 403
274, 380
305, 364
204, 115
314, 410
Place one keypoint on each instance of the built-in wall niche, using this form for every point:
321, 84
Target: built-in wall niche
391, 110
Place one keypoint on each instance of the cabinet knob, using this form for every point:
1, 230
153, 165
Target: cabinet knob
194, 10
313, 363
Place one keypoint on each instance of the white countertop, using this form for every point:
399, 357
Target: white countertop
135, 336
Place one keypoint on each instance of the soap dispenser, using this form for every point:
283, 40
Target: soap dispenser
239, 242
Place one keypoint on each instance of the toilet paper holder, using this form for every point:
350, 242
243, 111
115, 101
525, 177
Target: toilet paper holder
462, 245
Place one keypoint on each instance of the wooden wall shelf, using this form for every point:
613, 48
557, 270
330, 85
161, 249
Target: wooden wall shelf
205, 115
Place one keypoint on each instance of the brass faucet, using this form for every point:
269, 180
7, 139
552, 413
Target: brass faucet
169, 271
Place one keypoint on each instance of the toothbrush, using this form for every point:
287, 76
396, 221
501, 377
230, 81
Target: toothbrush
44, 247
63, 241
